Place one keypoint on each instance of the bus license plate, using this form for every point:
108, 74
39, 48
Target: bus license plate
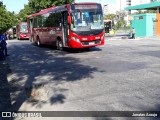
91, 43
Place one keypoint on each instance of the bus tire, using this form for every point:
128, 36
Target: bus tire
59, 45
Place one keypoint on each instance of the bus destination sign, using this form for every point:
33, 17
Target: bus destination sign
86, 6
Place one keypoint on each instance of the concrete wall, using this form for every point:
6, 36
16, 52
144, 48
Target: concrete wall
139, 25
143, 24
150, 26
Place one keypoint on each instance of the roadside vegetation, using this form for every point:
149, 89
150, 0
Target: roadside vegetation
9, 19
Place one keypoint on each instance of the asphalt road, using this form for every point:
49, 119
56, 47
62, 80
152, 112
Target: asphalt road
122, 75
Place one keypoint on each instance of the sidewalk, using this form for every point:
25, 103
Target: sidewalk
127, 36
118, 36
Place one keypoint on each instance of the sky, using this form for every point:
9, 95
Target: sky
17, 5
14, 5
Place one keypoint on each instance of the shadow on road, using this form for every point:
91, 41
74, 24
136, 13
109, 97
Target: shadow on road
5, 98
57, 99
35, 71
70, 51
34, 67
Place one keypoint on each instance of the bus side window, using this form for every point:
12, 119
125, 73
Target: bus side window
35, 22
57, 19
39, 21
50, 20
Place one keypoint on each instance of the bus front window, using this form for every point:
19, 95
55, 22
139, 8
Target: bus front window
24, 29
86, 20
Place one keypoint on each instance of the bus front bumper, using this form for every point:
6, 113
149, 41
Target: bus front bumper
85, 44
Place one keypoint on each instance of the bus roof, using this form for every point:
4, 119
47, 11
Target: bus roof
86, 3
22, 23
57, 8
42, 12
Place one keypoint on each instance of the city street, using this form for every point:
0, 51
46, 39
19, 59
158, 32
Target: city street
122, 75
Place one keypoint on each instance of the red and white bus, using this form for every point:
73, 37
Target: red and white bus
22, 31
77, 25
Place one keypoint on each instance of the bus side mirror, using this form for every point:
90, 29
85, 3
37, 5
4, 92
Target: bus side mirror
69, 19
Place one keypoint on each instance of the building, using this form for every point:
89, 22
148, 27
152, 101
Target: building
147, 24
121, 4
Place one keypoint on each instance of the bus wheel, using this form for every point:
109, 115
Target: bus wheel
59, 45
38, 42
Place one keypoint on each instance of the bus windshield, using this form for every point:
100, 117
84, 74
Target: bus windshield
24, 29
87, 19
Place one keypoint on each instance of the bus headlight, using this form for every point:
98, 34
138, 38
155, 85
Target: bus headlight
102, 37
76, 39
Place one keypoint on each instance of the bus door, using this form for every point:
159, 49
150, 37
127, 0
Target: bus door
65, 27
31, 30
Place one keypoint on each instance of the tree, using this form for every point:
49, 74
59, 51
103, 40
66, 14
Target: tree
120, 23
37, 5
22, 16
121, 14
1, 5
110, 16
146, 11
7, 19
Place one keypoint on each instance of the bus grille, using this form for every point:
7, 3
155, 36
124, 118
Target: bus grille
92, 42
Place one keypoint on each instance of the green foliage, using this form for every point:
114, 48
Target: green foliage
146, 11
139, 12
7, 19
22, 16
120, 23
37, 5
151, 11
110, 16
